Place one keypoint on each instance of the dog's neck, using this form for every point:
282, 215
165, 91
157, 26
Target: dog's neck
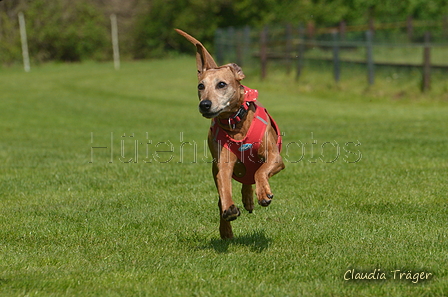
235, 122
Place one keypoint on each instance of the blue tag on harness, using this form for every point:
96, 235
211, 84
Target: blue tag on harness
245, 147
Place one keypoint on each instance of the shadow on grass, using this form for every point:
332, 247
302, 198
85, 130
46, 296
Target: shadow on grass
256, 241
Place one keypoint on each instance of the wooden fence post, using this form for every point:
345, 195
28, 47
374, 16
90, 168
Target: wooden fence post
301, 51
342, 29
409, 28
246, 42
336, 60
218, 46
371, 25
263, 51
1, 28
371, 13
24, 40
231, 43
445, 26
427, 63
239, 47
310, 29
369, 51
288, 47
115, 47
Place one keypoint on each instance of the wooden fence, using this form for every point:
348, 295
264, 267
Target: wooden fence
24, 42
295, 45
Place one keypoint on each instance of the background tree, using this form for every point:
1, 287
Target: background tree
75, 30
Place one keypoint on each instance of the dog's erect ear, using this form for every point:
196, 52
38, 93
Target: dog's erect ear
239, 75
204, 60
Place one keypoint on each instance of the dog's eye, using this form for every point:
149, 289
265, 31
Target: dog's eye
201, 87
221, 85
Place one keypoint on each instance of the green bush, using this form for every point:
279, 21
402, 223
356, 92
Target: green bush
10, 48
154, 34
154, 28
65, 31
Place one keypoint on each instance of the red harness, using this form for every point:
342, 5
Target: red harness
247, 149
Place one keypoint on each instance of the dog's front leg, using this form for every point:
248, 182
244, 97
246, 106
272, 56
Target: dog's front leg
222, 174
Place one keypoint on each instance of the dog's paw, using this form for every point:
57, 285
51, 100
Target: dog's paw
265, 202
249, 205
264, 194
231, 214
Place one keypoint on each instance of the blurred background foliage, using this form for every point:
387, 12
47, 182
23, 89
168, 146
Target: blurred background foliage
65, 30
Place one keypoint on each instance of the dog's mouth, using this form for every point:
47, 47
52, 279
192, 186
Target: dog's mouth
211, 115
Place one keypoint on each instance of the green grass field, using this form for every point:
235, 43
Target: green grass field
365, 187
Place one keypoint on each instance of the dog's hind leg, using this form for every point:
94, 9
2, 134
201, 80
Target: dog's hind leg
264, 193
248, 197
272, 166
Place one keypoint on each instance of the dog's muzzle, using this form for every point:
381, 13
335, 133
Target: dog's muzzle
204, 106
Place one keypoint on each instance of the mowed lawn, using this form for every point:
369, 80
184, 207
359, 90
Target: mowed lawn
106, 189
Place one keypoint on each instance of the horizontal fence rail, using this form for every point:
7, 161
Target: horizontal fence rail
370, 48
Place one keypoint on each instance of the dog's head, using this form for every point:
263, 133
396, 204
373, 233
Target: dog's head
219, 88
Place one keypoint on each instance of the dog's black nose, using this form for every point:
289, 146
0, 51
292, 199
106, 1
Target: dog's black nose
205, 105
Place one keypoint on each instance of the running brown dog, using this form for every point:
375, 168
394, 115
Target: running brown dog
243, 138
